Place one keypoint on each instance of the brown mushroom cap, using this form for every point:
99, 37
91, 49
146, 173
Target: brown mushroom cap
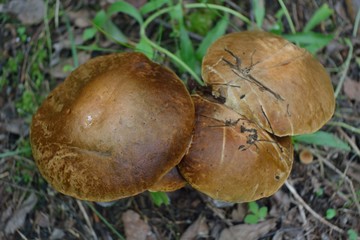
113, 128
171, 181
231, 158
271, 81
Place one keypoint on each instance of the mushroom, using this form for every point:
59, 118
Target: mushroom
271, 81
113, 128
231, 158
170, 182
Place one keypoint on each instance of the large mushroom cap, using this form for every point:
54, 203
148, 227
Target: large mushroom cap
113, 128
271, 81
231, 158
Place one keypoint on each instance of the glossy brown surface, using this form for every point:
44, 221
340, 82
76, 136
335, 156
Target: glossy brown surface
231, 158
115, 126
171, 181
281, 87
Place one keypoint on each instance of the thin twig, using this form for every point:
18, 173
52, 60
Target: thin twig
345, 71
310, 210
350, 141
22, 235
343, 175
87, 219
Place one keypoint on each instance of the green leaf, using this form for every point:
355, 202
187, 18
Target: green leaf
330, 213
352, 234
262, 213
68, 68
310, 40
319, 192
278, 27
200, 22
251, 219
323, 13
159, 198
124, 7
177, 15
152, 5
259, 11
187, 52
106, 26
89, 33
322, 138
144, 47
100, 18
212, 35
253, 207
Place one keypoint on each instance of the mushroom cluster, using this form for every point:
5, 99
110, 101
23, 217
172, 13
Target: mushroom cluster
121, 124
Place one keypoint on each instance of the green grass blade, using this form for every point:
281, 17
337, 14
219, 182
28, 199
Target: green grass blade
72, 42
310, 40
187, 51
323, 13
219, 8
105, 221
89, 33
103, 23
217, 31
259, 11
322, 138
152, 5
144, 47
126, 8
288, 17
16, 152
173, 57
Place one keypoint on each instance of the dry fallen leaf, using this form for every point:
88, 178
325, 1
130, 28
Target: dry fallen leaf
239, 212
27, 11
196, 230
57, 71
135, 227
80, 18
353, 7
57, 234
42, 219
18, 218
247, 232
352, 89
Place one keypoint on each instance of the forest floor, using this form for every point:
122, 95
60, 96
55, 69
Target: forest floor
40, 43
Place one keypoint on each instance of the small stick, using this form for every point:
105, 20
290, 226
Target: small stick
343, 175
87, 220
350, 141
310, 210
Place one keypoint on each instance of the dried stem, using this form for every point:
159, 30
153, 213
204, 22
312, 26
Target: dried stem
310, 210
